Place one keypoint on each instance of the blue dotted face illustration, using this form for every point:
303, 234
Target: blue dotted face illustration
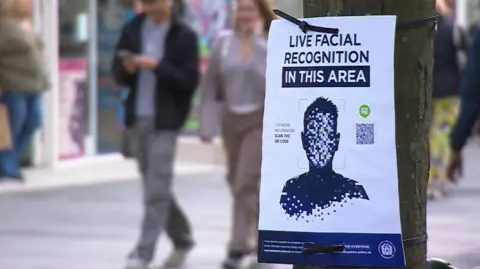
320, 192
321, 138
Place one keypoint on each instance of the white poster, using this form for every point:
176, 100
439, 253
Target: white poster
329, 167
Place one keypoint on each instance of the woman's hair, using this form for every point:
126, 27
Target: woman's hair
265, 8
14, 8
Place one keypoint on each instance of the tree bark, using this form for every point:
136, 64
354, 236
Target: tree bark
413, 84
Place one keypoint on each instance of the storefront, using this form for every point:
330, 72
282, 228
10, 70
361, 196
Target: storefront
83, 111
468, 13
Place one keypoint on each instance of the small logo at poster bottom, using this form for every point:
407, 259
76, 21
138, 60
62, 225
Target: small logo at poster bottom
386, 249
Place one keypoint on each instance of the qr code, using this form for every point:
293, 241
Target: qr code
365, 133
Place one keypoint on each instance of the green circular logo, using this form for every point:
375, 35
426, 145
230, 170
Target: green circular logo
364, 111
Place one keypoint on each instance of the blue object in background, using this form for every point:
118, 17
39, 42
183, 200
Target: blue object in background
121, 107
121, 116
130, 14
110, 95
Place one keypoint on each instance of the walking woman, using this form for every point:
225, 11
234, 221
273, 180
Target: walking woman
22, 80
235, 78
449, 52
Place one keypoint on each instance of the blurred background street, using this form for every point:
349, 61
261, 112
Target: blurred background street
93, 226
74, 201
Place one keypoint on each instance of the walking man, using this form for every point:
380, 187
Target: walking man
157, 59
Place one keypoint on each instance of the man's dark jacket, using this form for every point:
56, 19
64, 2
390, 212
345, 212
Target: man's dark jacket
446, 69
177, 74
469, 97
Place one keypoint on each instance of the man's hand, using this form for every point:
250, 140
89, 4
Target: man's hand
129, 65
455, 166
145, 62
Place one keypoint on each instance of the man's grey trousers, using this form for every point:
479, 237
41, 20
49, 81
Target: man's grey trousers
155, 153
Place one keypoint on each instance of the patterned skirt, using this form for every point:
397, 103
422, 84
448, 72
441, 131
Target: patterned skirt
444, 115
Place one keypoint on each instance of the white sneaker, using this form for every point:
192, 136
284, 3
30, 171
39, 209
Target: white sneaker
432, 193
176, 259
136, 263
447, 188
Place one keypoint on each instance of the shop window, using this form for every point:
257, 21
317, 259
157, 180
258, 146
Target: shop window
73, 68
112, 15
206, 17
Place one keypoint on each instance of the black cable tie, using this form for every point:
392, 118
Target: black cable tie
416, 240
416, 24
303, 25
312, 248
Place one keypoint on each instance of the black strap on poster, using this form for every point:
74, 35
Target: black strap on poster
312, 248
304, 26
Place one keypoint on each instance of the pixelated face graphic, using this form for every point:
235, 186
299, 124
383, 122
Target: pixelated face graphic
320, 138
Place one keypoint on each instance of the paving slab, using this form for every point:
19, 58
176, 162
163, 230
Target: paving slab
94, 226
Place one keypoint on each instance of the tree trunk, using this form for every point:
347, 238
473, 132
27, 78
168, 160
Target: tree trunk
413, 83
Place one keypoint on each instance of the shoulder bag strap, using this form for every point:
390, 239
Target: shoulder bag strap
225, 43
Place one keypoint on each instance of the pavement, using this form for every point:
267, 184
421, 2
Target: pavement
88, 217
94, 227
453, 223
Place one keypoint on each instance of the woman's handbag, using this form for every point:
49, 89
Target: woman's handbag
5, 131
220, 86
128, 146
